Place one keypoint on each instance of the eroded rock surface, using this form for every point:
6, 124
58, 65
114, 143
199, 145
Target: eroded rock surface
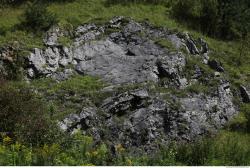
125, 52
120, 57
245, 94
138, 118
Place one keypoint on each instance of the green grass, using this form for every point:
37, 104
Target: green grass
78, 84
9, 17
65, 41
166, 44
69, 96
22, 40
227, 148
84, 11
80, 11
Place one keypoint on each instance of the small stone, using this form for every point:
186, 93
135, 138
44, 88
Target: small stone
216, 65
217, 74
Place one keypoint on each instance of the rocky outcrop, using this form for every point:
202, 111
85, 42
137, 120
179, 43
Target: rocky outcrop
47, 62
113, 64
125, 52
139, 118
202, 113
86, 119
123, 56
245, 94
216, 65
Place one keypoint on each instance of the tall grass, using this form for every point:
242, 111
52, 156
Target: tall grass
228, 148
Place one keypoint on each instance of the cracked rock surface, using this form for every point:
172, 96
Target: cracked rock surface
123, 52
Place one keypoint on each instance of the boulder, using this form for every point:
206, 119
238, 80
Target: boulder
47, 61
204, 46
52, 36
111, 62
84, 120
216, 65
200, 114
190, 44
175, 40
124, 102
245, 94
171, 65
138, 118
63, 75
197, 72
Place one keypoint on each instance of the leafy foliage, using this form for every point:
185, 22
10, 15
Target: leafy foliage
23, 115
37, 18
228, 148
218, 18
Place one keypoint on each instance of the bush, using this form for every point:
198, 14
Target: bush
217, 18
23, 115
228, 148
246, 110
197, 14
37, 18
3, 30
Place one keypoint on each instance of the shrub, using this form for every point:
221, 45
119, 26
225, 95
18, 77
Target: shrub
3, 30
228, 148
23, 115
217, 18
246, 110
37, 18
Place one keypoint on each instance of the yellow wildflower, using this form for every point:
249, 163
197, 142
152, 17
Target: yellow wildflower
17, 146
7, 140
129, 162
120, 148
94, 153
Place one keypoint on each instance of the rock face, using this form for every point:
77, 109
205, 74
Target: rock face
114, 64
205, 113
124, 52
121, 57
137, 118
245, 94
216, 65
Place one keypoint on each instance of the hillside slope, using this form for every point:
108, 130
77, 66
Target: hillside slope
111, 84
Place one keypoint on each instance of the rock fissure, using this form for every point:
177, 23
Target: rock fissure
124, 52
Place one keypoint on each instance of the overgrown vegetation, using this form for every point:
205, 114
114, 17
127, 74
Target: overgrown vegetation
29, 134
229, 148
19, 120
218, 18
167, 44
37, 18
71, 95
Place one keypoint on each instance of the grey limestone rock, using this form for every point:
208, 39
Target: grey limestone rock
137, 118
85, 119
245, 94
216, 65
129, 55
121, 57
